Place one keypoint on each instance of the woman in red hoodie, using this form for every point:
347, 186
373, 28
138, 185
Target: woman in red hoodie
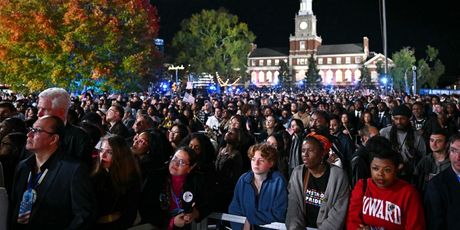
384, 201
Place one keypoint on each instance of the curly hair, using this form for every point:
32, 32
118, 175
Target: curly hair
266, 151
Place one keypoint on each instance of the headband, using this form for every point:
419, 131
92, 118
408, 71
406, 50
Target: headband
327, 144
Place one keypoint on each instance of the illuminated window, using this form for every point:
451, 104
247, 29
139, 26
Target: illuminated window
357, 60
302, 45
261, 76
338, 76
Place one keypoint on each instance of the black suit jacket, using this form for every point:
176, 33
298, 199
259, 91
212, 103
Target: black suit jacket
442, 201
65, 198
77, 144
384, 121
119, 129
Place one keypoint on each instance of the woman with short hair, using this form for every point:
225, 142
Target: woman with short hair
384, 201
260, 194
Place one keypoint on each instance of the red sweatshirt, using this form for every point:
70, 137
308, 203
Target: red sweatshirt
396, 207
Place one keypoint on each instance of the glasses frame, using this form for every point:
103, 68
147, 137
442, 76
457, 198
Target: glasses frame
178, 162
39, 130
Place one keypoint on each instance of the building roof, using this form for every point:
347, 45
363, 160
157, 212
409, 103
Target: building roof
269, 52
341, 49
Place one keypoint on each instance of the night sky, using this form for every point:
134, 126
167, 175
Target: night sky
409, 23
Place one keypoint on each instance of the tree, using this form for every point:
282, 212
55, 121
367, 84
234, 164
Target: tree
283, 76
380, 67
312, 77
429, 69
403, 61
214, 41
93, 42
366, 80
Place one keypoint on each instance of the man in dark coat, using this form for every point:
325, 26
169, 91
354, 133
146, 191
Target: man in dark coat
51, 190
114, 118
442, 199
76, 142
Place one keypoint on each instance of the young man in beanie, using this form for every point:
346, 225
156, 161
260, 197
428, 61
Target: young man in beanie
405, 140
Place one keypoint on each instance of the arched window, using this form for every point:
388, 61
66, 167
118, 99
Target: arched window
348, 76
276, 79
254, 77
338, 76
329, 76
323, 77
357, 75
269, 77
261, 77
300, 75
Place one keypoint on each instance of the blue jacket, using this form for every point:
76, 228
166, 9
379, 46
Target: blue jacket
271, 205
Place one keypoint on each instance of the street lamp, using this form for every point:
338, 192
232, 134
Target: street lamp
176, 68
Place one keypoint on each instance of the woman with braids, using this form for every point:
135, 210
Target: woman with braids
246, 139
318, 191
228, 168
117, 183
405, 140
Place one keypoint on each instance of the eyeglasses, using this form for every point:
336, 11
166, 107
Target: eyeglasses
178, 162
39, 130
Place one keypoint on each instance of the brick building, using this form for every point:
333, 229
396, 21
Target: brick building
338, 65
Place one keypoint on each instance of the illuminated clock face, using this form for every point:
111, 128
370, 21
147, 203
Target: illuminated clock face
303, 25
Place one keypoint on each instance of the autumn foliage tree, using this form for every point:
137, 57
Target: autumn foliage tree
58, 43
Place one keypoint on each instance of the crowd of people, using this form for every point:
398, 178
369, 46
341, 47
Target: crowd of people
325, 160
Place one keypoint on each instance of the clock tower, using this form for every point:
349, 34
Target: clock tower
305, 21
305, 41
305, 38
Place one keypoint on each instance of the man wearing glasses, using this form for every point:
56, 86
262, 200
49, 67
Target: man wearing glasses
50, 190
442, 196
56, 102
